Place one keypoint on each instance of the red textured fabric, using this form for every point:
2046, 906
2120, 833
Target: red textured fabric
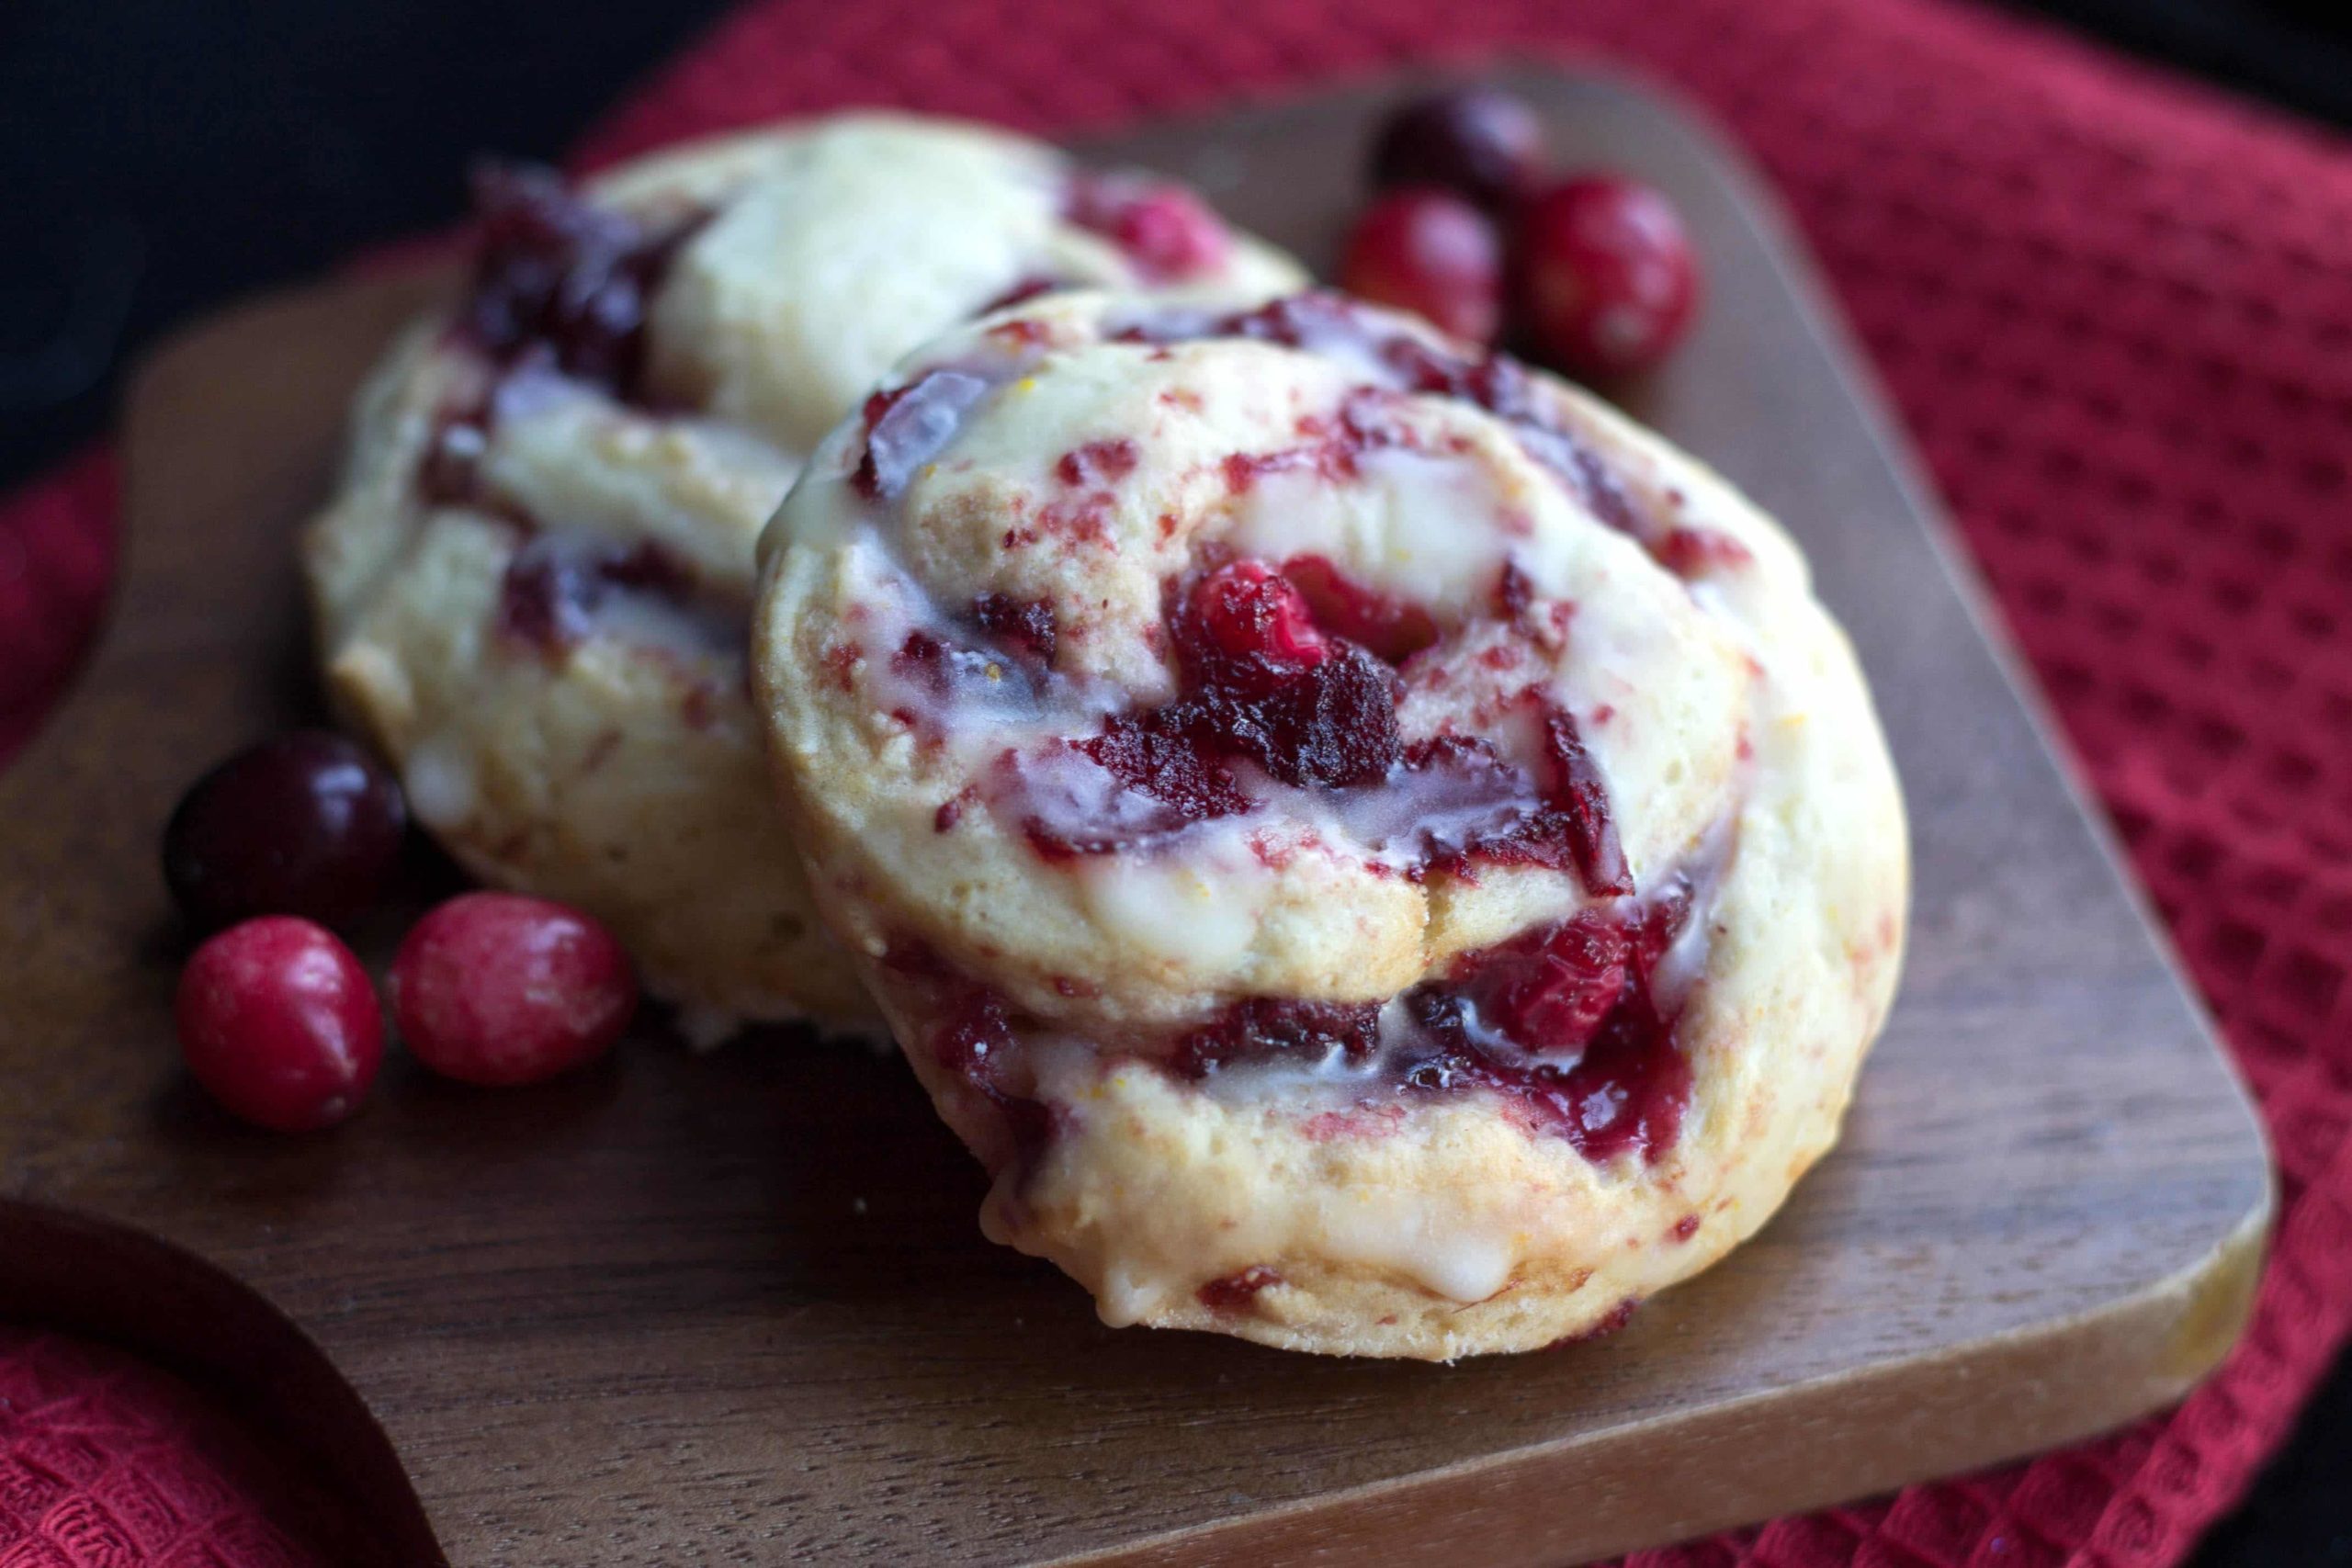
2111, 307
105, 1463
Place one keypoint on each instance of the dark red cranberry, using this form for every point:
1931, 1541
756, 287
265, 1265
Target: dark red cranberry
305, 824
1606, 280
1167, 231
496, 989
1481, 141
1432, 253
278, 1022
553, 587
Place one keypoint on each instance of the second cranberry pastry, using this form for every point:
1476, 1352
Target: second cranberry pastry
1377, 853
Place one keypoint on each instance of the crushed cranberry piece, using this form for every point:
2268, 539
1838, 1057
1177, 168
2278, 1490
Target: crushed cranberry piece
1237, 1291
1165, 782
1685, 1228
907, 426
1249, 626
1551, 990
1611, 1322
1582, 799
1027, 626
1262, 1027
1513, 593
1393, 627
1098, 463
1566, 1020
1405, 361
975, 1039
552, 271
1689, 552
451, 472
945, 671
550, 595
1165, 231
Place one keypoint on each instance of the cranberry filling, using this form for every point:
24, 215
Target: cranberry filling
973, 1037
1098, 463
1401, 361
1165, 231
1237, 1291
907, 426
1025, 626
553, 271
550, 595
1267, 680
1023, 289
1264, 1026
1393, 628
1567, 1020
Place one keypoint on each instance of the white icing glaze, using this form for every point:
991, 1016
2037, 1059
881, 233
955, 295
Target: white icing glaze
440, 781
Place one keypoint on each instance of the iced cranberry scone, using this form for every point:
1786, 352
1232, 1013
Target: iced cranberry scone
1377, 853
534, 585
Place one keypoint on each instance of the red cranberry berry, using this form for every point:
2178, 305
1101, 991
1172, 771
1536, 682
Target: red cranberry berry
1247, 615
305, 824
1605, 277
496, 989
1430, 253
1478, 140
278, 1020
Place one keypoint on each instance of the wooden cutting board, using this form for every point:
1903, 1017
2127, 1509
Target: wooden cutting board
735, 1309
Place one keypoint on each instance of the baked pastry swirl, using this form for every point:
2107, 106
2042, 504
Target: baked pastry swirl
533, 586
1376, 853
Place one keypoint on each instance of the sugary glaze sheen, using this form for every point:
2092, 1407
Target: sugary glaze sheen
534, 585
1376, 853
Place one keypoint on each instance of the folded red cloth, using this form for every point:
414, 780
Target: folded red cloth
2109, 305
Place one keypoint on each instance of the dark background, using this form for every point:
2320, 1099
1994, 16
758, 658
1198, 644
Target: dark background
160, 156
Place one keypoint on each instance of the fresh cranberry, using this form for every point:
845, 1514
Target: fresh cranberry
1167, 231
1481, 141
1425, 251
1605, 276
305, 824
1250, 618
497, 988
278, 1022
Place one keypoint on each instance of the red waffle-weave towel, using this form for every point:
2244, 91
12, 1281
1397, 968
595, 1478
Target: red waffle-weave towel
2112, 308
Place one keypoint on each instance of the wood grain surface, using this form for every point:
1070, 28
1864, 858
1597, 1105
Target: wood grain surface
735, 1308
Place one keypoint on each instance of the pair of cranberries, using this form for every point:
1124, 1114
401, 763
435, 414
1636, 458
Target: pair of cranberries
277, 1017
1595, 270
